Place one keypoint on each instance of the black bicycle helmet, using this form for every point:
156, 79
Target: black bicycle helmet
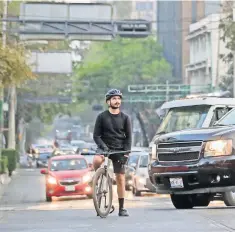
112, 93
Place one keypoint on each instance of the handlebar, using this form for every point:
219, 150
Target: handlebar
107, 154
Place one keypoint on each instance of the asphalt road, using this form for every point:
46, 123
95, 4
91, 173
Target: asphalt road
23, 209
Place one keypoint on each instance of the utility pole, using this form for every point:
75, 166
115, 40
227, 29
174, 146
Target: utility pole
4, 41
11, 122
234, 54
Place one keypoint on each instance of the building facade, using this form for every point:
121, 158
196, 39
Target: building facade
205, 65
173, 21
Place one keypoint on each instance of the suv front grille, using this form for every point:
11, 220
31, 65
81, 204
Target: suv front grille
179, 151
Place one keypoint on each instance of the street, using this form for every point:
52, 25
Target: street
23, 208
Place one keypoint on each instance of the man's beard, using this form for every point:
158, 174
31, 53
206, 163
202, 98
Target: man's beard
114, 107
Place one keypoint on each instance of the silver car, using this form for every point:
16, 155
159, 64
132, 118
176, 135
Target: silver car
140, 178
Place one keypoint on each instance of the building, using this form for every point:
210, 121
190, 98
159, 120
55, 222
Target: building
173, 20
205, 65
145, 9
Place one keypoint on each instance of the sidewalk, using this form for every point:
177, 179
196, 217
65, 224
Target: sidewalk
5, 180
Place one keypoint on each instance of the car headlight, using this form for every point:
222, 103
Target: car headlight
51, 180
218, 148
153, 152
86, 178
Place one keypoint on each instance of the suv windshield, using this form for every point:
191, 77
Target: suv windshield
183, 118
229, 119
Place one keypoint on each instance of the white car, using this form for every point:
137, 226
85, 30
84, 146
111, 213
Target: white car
140, 178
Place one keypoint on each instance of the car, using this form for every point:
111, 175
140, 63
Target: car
196, 112
67, 175
88, 150
137, 176
77, 143
42, 159
196, 166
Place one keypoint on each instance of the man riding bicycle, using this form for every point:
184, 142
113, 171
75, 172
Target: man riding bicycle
113, 132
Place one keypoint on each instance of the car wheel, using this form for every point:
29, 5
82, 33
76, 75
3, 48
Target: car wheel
182, 201
229, 198
89, 196
136, 192
48, 199
128, 188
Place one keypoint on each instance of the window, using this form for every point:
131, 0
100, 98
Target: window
144, 161
68, 164
184, 118
133, 159
219, 113
228, 119
144, 6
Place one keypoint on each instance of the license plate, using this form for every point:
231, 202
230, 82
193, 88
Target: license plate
176, 182
70, 188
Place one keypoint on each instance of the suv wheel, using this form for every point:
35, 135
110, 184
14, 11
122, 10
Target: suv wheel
182, 201
229, 198
202, 200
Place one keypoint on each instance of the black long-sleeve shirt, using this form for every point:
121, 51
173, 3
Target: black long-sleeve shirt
113, 131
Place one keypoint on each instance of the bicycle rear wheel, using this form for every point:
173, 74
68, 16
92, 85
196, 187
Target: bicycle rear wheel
102, 190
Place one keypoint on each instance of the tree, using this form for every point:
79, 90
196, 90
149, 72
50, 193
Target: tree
118, 64
13, 66
228, 27
122, 62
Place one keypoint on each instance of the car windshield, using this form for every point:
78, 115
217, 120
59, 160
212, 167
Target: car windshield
144, 161
183, 118
68, 164
133, 159
44, 155
228, 119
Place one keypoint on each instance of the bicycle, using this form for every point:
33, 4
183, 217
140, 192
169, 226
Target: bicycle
101, 172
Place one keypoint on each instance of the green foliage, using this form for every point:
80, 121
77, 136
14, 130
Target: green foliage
11, 155
119, 63
13, 66
228, 36
3, 165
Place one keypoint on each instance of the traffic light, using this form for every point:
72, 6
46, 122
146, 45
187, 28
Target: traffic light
134, 28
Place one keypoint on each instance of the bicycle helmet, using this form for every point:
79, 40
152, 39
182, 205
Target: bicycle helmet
112, 93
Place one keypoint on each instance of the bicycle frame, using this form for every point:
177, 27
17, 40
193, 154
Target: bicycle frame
106, 164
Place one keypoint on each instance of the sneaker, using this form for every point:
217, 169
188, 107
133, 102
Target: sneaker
123, 213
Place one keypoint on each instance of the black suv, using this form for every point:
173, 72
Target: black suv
196, 166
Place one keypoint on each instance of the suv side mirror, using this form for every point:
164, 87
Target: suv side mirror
214, 123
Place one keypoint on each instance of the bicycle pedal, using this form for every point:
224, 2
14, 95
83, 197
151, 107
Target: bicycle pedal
112, 209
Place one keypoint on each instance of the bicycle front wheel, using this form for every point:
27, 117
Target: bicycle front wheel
102, 190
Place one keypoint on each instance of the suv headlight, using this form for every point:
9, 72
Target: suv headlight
218, 148
153, 152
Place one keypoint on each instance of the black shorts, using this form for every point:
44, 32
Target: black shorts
119, 163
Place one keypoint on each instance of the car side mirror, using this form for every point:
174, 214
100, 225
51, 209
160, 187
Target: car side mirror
133, 165
44, 171
214, 123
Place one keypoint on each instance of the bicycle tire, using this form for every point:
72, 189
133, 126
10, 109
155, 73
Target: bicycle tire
97, 175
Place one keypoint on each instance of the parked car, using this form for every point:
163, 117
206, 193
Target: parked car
67, 175
196, 166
